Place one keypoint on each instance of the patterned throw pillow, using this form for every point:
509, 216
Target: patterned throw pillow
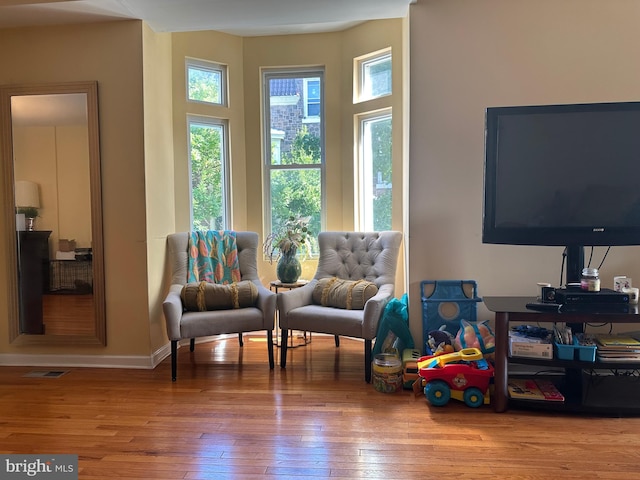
203, 296
339, 293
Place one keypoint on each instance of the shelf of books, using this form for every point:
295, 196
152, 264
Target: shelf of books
592, 372
610, 382
613, 395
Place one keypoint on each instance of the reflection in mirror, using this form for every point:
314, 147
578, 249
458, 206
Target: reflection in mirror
51, 158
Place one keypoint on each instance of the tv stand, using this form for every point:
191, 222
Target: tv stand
588, 387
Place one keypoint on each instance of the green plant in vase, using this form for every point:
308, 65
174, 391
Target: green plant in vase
284, 244
28, 212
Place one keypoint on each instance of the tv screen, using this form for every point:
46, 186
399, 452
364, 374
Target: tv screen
563, 175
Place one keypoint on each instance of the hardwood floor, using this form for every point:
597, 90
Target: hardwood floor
229, 416
69, 314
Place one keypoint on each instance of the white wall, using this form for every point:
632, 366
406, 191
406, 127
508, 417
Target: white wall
467, 55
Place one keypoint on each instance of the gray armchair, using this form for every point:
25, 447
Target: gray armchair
350, 256
183, 324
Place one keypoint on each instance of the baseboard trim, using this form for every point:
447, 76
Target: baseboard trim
94, 361
98, 361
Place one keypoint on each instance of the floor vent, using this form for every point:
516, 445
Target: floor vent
46, 373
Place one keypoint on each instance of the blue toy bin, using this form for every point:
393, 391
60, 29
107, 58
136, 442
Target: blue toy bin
446, 302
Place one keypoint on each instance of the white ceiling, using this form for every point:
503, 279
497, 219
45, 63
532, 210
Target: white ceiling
238, 17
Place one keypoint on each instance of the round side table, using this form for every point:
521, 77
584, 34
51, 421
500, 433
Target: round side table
299, 339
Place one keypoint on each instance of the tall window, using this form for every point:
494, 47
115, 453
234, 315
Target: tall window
206, 82
294, 147
375, 161
209, 172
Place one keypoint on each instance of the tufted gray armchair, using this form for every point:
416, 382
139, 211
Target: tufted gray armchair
182, 324
351, 256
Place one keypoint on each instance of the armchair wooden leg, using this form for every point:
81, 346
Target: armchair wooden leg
270, 348
240, 340
337, 339
174, 360
192, 345
283, 347
367, 361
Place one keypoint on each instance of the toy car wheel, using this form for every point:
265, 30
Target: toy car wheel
473, 397
437, 392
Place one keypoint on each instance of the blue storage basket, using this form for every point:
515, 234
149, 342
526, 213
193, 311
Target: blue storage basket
575, 351
565, 352
586, 353
446, 302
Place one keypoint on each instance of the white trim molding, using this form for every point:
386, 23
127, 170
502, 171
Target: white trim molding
95, 361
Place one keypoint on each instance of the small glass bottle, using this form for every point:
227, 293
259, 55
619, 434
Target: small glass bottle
590, 280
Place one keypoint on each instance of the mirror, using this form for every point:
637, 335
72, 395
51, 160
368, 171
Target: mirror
53, 209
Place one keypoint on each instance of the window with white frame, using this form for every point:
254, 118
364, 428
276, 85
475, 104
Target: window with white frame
375, 171
294, 147
374, 75
206, 82
209, 173
311, 99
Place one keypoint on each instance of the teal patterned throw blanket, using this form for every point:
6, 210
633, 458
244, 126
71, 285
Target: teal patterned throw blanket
213, 257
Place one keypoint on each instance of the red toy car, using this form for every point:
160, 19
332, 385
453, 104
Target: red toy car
463, 375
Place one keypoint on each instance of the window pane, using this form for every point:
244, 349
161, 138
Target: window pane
376, 77
205, 85
296, 191
376, 178
313, 97
295, 156
292, 141
207, 176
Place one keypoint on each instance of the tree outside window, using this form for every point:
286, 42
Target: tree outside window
209, 179
294, 159
374, 75
206, 82
376, 173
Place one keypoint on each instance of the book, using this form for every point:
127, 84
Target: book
525, 389
536, 390
612, 359
617, 351
549, 390
617, 341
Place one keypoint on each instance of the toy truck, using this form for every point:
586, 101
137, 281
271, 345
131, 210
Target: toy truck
463, 375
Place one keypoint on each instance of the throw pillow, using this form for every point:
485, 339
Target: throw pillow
203, 296
339, 293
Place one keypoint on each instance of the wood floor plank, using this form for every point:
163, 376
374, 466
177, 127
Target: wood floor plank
229, 416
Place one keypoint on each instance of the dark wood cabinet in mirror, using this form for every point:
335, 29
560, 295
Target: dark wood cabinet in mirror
50, 152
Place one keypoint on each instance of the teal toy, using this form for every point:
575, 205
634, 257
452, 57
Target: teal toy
393, 334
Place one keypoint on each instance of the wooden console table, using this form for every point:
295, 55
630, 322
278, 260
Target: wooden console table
611, 394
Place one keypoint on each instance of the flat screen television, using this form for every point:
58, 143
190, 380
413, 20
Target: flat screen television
563, 175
